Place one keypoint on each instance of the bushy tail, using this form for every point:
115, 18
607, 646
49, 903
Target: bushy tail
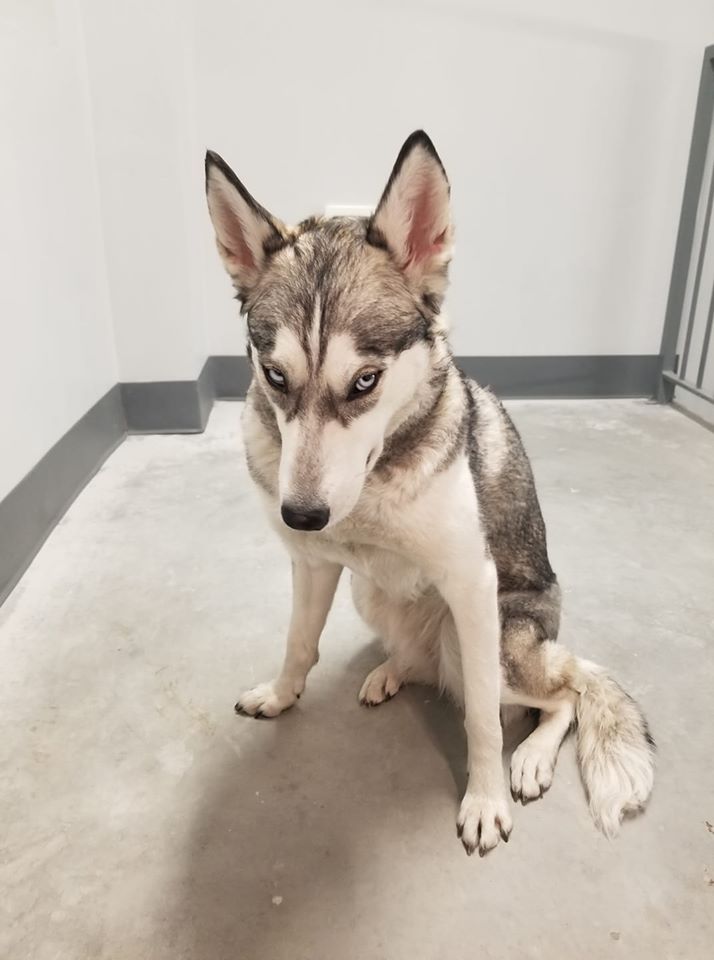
615, 749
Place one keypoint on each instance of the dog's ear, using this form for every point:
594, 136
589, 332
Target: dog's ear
412, 220
246, 234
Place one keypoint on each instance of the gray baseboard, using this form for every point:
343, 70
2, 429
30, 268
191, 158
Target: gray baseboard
576, 377
231, 377
165, 406
169, 406
183, 406
28, 514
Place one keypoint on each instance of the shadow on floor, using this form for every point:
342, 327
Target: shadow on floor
284, 832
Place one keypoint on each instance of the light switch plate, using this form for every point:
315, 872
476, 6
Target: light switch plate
348, 210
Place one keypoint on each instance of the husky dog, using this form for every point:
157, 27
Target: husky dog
373, 452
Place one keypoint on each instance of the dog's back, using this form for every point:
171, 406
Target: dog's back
507, 495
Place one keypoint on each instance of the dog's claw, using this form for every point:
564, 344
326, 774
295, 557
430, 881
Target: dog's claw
520, 797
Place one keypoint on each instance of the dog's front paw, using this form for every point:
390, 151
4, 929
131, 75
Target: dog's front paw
265, 700
483, 821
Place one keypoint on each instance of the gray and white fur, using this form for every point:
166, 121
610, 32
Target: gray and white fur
373, 452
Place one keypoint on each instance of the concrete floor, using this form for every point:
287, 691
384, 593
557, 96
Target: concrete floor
143, 819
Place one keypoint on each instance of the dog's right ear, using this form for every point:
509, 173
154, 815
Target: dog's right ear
246, 234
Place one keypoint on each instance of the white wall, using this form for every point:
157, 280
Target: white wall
150, 166
56, 349
564, 127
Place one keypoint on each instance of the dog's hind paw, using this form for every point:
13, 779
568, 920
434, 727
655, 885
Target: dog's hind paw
381, 684
265, 700
531, 771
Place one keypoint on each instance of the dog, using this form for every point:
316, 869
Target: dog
372, 451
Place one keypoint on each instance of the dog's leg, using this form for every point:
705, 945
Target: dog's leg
409, 632
535, 673
533, 761
314, 588
470, 589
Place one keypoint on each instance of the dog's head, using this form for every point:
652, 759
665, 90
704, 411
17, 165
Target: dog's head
342, 317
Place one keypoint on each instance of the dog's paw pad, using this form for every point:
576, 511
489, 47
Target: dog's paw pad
381, 684
264, 701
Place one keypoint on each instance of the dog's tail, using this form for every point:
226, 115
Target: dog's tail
616, 751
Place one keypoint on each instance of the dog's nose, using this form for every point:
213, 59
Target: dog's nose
305, 518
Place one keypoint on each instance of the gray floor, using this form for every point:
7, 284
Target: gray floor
142, 819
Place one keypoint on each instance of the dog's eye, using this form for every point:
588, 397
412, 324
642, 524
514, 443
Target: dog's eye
363, 384
275, 378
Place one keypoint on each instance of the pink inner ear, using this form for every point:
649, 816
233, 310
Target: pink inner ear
421, 243
239, 249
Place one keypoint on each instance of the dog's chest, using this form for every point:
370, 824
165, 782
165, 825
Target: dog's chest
397, 576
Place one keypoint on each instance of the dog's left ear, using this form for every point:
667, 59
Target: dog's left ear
413, 220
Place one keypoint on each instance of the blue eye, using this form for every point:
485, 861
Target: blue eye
275, 378
363, 384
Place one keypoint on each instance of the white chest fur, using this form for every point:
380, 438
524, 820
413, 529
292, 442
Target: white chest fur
387, 566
